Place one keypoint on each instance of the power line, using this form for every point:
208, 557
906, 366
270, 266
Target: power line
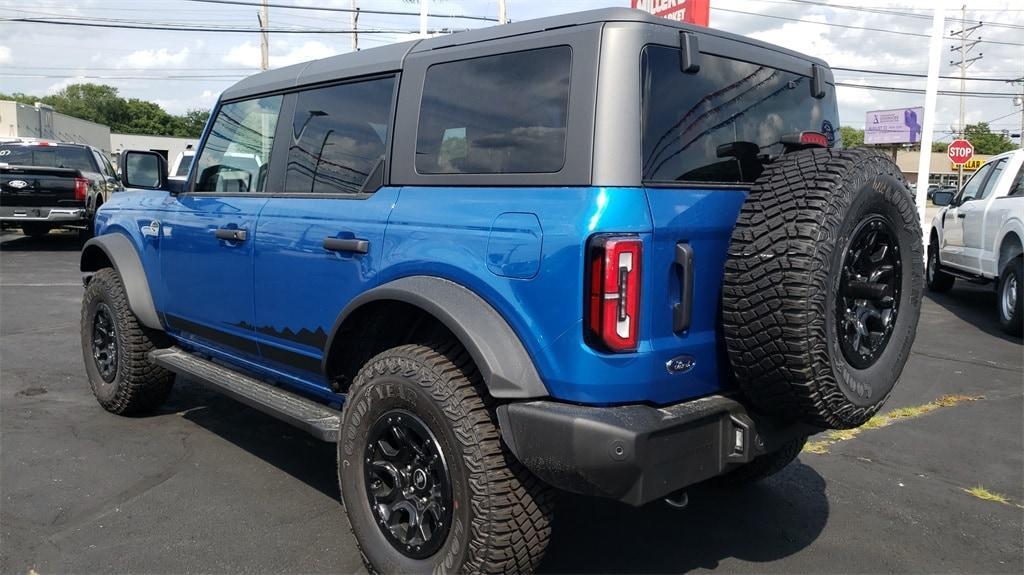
895, 12
361, 10
913, 75
851, 27
919, 91
207, 29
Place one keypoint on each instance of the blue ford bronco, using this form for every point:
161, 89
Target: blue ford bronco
602, 253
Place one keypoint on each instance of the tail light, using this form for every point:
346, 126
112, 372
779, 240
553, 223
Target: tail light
613, 295
81, 188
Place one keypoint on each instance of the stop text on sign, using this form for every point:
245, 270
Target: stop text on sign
960, 151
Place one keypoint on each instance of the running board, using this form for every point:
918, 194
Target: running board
315, 418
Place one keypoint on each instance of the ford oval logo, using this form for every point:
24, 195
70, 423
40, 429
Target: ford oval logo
680, 364
17, 184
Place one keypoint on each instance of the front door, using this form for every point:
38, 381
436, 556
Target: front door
962, 206
206, 236
318, 242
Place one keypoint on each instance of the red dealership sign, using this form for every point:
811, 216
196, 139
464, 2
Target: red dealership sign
692, 11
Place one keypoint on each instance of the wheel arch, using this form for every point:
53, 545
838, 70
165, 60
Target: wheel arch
417, 303
118, 252
1010, 246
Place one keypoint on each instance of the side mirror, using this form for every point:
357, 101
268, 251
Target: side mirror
143, 169
942, 198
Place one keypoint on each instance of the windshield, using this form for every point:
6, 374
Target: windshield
47, 156
719, 124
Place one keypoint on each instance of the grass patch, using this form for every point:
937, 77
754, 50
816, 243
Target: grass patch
982, 493
821, 446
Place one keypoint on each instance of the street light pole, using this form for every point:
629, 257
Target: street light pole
931, 94
264, 17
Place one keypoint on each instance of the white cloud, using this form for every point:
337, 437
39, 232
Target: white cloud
5, 55
204, 101
282, 54
144, 59
57, 87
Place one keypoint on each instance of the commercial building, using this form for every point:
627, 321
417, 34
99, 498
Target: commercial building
942, 171
42, 121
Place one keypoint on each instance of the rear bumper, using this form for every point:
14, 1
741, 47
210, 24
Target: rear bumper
638, 453
12, 214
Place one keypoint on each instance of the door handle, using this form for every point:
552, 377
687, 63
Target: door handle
961, 216
230, 234
682, 311
354, 245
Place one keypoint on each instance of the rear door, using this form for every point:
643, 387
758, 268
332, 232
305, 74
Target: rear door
704, 136
206, 235
975, 224
319, 240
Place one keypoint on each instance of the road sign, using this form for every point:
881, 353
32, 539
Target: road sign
960, 151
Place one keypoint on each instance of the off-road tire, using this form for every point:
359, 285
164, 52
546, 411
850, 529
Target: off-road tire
138, 385
761, 467
502, 518
1012, 322
35, 230
938, 280
782, 281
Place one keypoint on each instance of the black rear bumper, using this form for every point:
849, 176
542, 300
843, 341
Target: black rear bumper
638, 453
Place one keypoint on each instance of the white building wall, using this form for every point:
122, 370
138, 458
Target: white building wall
162, 144
23, 121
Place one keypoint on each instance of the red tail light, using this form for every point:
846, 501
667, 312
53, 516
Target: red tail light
81, 189
613, 295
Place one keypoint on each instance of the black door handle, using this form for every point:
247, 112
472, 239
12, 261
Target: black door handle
682, 311
354, 245
230, 234
961, 216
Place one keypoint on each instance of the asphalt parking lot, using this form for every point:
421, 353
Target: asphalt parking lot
208, 485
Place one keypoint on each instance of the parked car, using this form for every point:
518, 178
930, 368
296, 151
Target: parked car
182, 164
604, 252
977, 236
46, 185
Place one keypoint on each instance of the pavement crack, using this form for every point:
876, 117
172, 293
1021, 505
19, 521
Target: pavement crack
978, 362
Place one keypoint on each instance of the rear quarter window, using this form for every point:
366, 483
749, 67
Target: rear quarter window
718, 125
499, 114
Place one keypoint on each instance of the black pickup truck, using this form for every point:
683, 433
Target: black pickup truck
46, 185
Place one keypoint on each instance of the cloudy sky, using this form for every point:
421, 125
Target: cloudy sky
187, 69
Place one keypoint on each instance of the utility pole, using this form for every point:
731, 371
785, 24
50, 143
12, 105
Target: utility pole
502, 12
355, 26
966, 44
928, 127
423, 18
264, 18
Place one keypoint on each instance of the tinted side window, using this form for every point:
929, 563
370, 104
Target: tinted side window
498, 114
717, 125
993, 180
1017, 187
973, 186
237, 150
338, 137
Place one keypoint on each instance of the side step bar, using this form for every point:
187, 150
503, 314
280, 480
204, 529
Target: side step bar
315, 418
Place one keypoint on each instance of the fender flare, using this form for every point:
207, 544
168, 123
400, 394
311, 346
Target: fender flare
499, 354
120, 251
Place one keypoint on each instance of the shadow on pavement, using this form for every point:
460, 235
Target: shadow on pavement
974, 304
55, 241
293, 451
757, 523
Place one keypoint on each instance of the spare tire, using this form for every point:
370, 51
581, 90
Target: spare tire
822, 287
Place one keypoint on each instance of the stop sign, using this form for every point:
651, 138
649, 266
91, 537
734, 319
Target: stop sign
960, 151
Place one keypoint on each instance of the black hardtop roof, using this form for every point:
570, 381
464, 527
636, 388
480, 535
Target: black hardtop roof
389, 58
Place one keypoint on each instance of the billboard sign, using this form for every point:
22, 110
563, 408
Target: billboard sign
692, 11
900, 126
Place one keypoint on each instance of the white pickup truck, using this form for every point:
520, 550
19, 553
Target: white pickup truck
977, 235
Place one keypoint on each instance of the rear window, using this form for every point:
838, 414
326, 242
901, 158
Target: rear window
47, 156
718, 125
500, 114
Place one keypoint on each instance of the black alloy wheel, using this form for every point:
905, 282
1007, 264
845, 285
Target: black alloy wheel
869, 292
408, 484
104, 343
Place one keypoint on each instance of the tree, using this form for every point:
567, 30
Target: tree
851, 137
983, 139
102, 104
